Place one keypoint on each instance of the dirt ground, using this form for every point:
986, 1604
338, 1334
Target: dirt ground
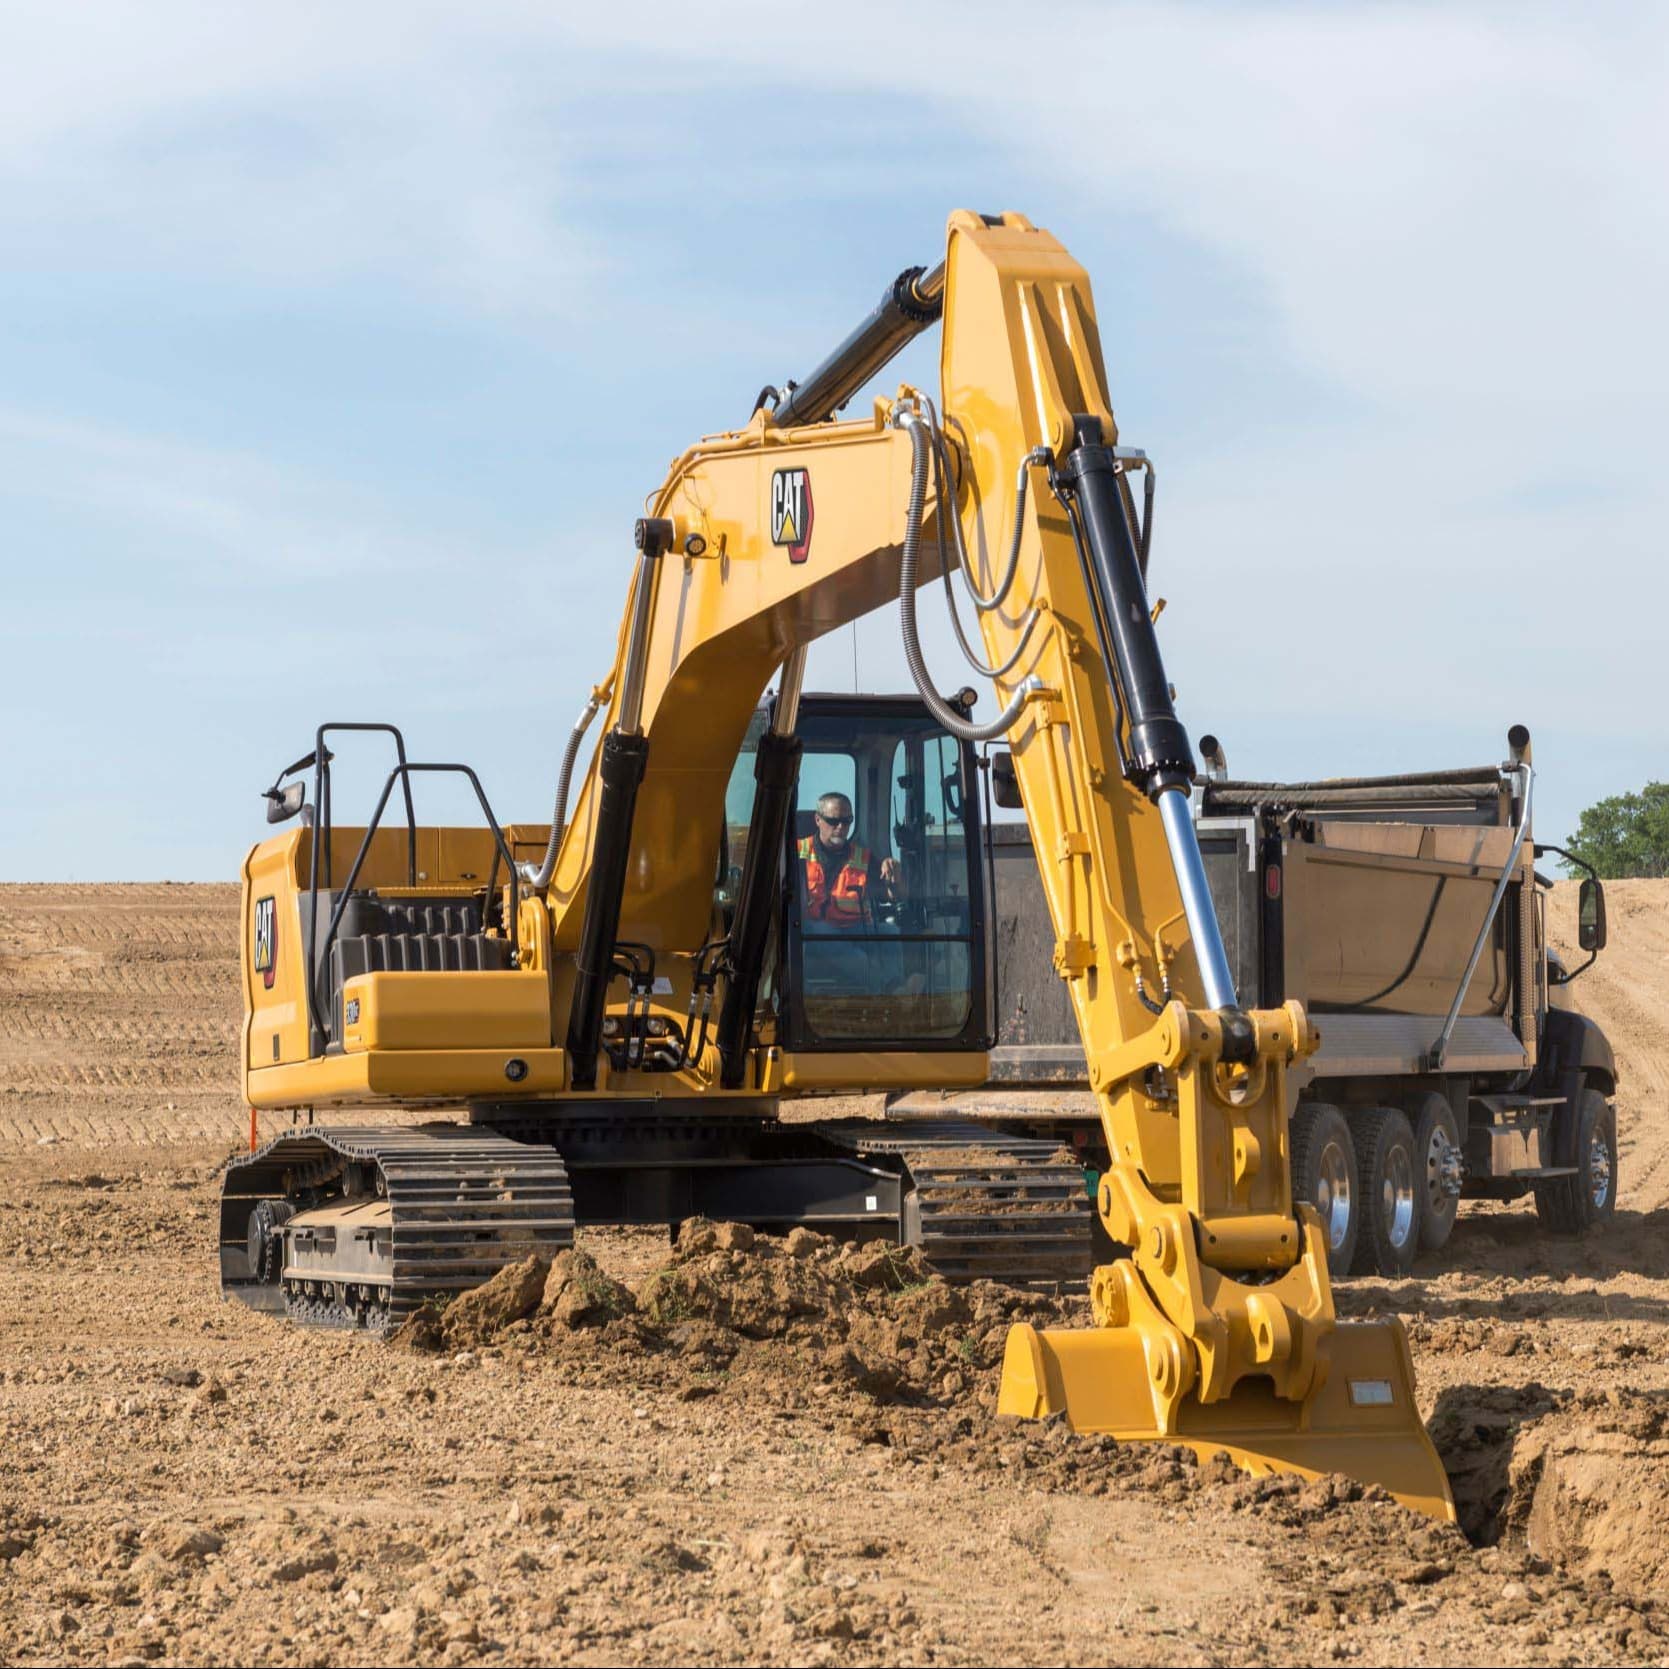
775, 1452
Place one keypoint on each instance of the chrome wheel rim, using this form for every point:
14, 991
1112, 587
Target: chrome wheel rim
1396, 1196
1440, 1163
1599, 1170
1333, 1194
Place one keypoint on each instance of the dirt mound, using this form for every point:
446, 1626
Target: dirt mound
868, 1339
119, 1014
672, 1458
786, 1316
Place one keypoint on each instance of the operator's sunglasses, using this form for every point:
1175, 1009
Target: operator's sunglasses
835, 822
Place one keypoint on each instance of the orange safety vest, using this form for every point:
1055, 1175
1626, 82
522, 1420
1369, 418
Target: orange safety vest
842, 904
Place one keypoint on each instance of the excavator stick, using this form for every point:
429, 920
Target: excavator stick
1360, 1419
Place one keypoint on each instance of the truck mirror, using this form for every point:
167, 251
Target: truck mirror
1590, 916
1005, 785
283, 803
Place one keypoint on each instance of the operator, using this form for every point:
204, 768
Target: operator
835, 869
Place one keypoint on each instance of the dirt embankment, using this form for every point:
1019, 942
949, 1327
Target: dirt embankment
1627, 992
740, 1451
120, 1008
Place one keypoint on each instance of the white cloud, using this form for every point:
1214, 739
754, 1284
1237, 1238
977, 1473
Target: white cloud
204, 515
292, 145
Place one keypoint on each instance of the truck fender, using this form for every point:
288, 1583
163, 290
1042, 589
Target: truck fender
1574, 1050
1576, 1044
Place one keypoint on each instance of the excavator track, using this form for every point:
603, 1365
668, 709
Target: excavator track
985, 1206
356, 1227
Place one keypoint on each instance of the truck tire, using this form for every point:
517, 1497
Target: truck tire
1389, 1187
1570, 1204
1324, 1175
1438, 1153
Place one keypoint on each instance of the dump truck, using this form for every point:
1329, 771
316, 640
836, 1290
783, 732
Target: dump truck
1407, 915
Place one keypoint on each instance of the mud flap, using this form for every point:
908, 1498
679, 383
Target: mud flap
1360, 1420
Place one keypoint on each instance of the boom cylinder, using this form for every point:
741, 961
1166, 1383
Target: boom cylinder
1162, 762
624, 758
621, 769
776, 768
913, 301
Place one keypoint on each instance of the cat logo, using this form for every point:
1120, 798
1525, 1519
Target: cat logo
266, 941
791, 512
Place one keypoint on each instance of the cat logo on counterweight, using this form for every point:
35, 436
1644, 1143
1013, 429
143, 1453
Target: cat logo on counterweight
266, 941
791, 512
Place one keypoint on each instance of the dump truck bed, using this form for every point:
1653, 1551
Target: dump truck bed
1362, 897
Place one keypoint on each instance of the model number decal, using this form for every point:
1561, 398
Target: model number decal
792, 512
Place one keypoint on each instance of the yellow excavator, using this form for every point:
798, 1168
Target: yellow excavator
607, 1012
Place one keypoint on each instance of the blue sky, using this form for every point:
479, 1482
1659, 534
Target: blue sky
340, 346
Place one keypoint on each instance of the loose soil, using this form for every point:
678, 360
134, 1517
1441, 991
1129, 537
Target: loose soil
739, 1449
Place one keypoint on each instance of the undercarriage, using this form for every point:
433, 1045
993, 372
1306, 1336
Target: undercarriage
358, 1227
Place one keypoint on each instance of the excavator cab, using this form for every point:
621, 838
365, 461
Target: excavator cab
881, 942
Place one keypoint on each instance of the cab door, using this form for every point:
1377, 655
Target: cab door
900, 964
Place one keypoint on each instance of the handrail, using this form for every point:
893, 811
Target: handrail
1527, 781
321, 838
321, 791
403, 772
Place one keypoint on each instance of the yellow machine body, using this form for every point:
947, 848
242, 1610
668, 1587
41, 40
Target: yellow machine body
1218, 1330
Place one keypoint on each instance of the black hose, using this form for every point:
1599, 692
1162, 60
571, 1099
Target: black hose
540, 878
948, 716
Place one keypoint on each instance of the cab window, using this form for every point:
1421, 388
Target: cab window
884, 942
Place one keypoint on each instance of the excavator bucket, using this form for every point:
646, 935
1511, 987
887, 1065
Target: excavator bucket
1359, 1419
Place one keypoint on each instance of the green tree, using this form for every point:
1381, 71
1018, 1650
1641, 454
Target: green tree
1626, 835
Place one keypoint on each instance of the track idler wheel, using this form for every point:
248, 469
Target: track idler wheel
266, 1239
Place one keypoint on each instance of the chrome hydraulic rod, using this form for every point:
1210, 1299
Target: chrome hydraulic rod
1203, 927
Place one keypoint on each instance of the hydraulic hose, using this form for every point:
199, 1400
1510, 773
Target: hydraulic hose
1011, 566
953, 721
538, 876
942, 487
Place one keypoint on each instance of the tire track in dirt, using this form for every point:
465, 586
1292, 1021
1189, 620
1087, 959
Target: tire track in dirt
119, 1015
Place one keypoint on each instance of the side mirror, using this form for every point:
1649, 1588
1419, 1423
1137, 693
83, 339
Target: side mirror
283, 803
1005, 785
1590, 916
